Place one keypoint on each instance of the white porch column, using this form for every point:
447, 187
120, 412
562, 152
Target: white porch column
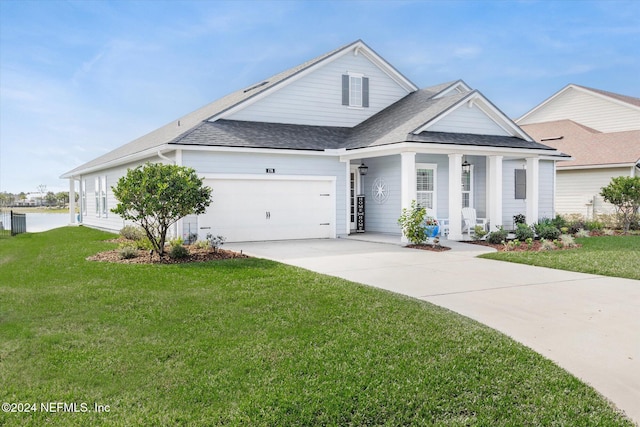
533, 189
494, 189
408, 190
455, 196
72, 201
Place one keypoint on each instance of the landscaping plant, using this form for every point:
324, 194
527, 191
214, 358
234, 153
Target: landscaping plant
156, 195
412, 223
624, 193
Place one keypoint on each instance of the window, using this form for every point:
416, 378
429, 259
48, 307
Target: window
426, 185
467, 188
83, 197
103, 195
355, 90
96, 192
521, 184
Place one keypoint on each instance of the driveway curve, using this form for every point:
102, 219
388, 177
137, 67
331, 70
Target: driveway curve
587, 324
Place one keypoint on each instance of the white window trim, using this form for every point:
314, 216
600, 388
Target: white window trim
471, 184
356, 76
103, 195
96, 193
83, 198
434, 167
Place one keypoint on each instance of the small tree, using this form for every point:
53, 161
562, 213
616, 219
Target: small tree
412, 223
156, 195
624, 193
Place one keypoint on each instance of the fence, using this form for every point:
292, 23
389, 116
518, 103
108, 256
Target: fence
12, 223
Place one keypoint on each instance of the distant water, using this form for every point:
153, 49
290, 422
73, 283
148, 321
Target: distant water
37, 222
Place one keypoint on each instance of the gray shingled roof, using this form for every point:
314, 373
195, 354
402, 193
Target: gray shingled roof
478, 140
394, 124
234, 133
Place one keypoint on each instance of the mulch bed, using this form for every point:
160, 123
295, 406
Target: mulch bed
535, 247
195, 255
427, 247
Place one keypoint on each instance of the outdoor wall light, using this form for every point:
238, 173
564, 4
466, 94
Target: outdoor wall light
466, 166
363, 169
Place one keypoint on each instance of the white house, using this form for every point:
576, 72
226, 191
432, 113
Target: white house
284, 155
601, 132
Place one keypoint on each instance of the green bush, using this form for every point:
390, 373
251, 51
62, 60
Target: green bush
479, 232
524, 232
594, 225
127, 251
177, 251
545, 229
131, 232
498, 236
411, 223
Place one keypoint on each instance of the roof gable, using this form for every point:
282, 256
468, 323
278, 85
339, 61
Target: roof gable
289, 77
598, 109
473, 114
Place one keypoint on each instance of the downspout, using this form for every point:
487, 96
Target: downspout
163, 157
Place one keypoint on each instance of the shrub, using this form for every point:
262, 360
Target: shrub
201, 244
131, 232
479, 232
559, 221
191, 238
582, 233
215, 241
524, 232
567, 241
177, 251
144, 244
498, 236
546, 230
547, 245
127, 251
529, 242
411, 223
594, 225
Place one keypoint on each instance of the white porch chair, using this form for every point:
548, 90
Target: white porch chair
443, 223
471, 220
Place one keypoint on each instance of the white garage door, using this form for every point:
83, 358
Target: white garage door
269, 209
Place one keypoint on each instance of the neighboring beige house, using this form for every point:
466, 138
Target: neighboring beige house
600, 130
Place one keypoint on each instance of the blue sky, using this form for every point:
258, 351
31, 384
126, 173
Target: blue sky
80, 78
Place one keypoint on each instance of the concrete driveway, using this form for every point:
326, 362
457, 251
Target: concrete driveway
588, 324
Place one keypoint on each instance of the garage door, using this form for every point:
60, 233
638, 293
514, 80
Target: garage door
269, 209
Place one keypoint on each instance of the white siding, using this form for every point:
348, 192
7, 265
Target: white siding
576, 188
546, 183
468, 120
111, 221
284, 164
316, 99
588, 109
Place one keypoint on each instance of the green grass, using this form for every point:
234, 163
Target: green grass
617, 256
254, 342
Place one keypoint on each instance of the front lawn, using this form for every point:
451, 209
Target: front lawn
617, 256
253, 342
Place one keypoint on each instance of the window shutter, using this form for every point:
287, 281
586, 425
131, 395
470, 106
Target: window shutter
365, 91
521, 183
345, 89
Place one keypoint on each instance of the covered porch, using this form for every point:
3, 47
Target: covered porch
497, 183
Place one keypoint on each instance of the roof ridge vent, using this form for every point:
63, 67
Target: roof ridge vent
256, 86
